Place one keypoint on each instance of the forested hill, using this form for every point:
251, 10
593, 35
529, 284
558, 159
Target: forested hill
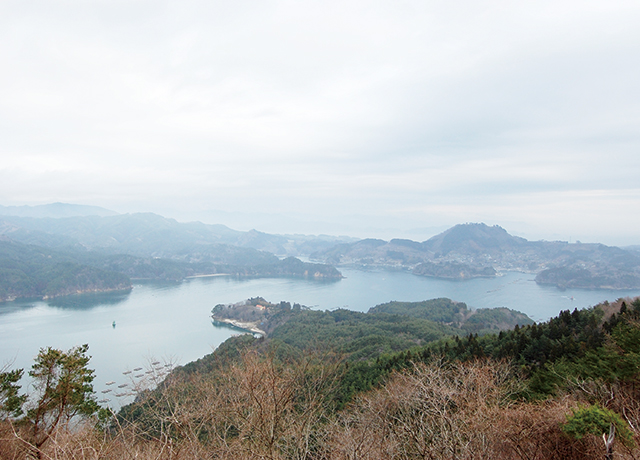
388, 327
598, 344
461, 252
35, 271
32, 271
457, 314
477, 250
138, 246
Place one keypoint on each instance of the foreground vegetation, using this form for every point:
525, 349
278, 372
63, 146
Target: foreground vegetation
567, 388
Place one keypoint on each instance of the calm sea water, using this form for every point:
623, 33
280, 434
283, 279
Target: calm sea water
170, 322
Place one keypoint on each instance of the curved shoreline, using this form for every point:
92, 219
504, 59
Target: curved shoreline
249, 327
207, 276
66, 294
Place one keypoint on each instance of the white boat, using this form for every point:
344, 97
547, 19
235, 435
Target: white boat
110, 383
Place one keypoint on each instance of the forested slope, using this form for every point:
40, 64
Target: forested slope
31, 271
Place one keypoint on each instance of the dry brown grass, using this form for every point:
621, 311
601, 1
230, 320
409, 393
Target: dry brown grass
257, 409
458, 411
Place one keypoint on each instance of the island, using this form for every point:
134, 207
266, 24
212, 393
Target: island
405, 321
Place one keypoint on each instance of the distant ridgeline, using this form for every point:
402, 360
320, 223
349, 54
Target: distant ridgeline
151, 246
477, 250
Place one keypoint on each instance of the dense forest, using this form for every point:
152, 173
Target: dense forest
53, 256
32, 271
28, 270
567, 388
387, 327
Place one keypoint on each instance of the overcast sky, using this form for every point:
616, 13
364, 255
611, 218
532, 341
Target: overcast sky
373, 118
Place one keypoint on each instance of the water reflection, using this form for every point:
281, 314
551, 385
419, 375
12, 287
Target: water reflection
230, 327
89, 301
246, 280
7, 308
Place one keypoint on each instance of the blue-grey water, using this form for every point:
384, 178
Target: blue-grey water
170, 322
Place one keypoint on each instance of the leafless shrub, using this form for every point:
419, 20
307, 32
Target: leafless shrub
262, 408
436, 411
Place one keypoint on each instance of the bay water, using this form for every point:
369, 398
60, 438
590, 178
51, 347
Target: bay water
170, 324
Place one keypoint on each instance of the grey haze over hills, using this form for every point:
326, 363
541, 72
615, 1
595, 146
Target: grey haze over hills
52, 256
478, 250
65, 224
461, 252
147, 234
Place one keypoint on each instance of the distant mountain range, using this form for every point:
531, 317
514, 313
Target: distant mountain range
142, 234
73, 253
149, 245
478, 250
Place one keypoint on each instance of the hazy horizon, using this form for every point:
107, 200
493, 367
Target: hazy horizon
363, 119
419, 234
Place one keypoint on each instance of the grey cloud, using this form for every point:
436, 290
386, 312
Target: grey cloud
421, 114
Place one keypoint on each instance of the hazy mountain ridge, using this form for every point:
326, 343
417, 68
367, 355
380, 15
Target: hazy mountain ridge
151, 235
141, 246
478, 250
461, 252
